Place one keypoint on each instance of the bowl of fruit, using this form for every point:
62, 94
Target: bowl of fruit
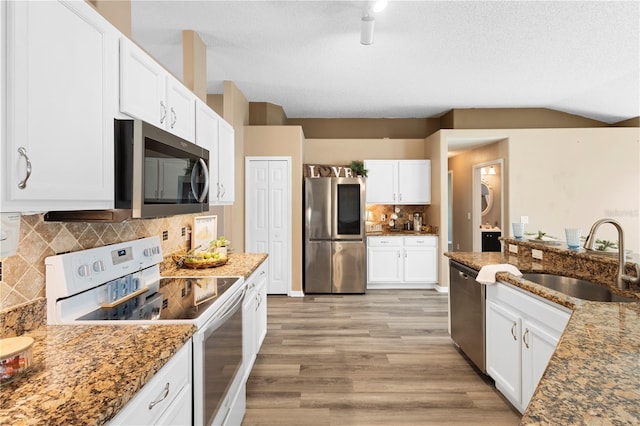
198, 259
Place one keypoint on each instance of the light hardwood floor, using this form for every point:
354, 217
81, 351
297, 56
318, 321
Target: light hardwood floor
384, 358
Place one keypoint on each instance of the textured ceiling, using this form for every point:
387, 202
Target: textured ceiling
427, 58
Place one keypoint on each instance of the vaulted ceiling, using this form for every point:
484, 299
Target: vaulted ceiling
427, 57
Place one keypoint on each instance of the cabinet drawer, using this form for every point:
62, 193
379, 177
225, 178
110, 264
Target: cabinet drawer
553, 316
170, 380
426, 241
384, 241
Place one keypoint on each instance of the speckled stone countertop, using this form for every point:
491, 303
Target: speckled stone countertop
239, 265
593, 378
83, 375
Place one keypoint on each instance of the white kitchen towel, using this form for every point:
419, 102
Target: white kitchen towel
487, 274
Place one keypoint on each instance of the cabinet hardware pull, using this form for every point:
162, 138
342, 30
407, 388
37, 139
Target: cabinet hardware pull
218, 192
513, 331
174, 117
23, 183
161, 398
463, 275
394, 196
400, 197
224, 191
525, 339
164, 112
398, 254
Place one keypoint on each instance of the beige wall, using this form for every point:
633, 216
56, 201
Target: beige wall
514, 118
436, 149
461, 166
194, 63
118, 12
368, 128
236, 112
343, 151
284, 141
559, 178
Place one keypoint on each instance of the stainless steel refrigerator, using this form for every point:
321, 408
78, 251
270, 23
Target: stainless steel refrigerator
335, 254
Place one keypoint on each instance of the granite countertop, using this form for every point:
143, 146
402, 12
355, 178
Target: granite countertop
593, 376
238, 265
86, 374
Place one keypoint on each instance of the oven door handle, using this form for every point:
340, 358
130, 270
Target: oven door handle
226, 311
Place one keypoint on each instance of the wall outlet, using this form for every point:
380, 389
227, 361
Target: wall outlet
536, 254
468, 215
513, 248
524, 219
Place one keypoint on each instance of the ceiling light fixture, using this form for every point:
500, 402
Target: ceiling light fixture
366, 33
368, 20
492, 170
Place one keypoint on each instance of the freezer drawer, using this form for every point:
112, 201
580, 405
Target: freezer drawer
317, 267
349, 267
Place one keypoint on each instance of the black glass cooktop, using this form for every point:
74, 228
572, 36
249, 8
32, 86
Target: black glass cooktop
181, 298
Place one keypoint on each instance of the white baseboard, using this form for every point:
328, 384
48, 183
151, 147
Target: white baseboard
442, 289
401, 286
296, 293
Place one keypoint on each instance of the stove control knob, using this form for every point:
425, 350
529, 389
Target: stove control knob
98, 266
84, 271
150, 251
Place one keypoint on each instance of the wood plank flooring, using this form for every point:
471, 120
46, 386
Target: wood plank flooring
384, 358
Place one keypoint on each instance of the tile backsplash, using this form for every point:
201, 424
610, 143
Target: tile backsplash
23, 274
405, 214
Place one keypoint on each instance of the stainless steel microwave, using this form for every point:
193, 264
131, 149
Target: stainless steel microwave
156, 174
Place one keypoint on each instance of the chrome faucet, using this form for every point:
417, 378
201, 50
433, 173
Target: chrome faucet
622, 280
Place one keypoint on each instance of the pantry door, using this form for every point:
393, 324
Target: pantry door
268, 217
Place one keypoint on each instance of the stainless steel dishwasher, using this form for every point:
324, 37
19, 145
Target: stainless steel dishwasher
467, 300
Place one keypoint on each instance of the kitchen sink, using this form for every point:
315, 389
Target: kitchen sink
577, 288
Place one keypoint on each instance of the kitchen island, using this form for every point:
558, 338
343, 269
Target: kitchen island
593, 376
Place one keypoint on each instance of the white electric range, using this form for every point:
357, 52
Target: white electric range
121, 284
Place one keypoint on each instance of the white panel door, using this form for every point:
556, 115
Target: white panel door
268, 217
279, 224
257, 207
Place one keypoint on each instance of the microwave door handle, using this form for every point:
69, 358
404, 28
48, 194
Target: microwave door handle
205, 190
202, 196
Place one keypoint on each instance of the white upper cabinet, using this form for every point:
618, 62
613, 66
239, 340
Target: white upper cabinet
398, 181
216, 135
149, 93
226, 163
61, 88
382, 181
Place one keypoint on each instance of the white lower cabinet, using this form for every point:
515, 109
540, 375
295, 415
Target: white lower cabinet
522, 332
402, 262
166, 399
254, 316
